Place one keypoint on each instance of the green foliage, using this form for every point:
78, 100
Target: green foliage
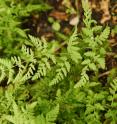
26, 116
112, 113
11, 17
43, 84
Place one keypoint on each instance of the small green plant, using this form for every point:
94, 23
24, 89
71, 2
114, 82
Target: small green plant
55, 24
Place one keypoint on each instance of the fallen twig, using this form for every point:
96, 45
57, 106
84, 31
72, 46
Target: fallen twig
111, 54
104, 74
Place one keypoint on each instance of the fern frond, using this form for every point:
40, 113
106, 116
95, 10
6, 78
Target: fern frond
18, 77
52, 115
61, 73
40, 119
19, 117
17, 62
2, 72
111, 114
84, 78
7, 69
27, 54
113, 85
104, 35
24, 71
52, 58
93, 61
41, 71
101, 62
97, 29
29, 73
72, 49
100, 39
39, 44
87, 12
43, 67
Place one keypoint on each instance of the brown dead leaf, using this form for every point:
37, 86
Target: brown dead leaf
105, 8
59, 15
101, 6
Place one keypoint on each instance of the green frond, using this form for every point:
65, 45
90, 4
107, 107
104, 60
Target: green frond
6, 69
39, 44
19, 117
43, 67
84, 78
100, 39
41, 71
27, 54
18, 77
113, 85
87, 13
52, 115
72, 48
2, 72
17, 62
40, 119
87, 32
97, 29
101, 62
61, 73
112, 113
104, 35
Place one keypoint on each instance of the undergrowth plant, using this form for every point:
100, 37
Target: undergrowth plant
47, 85
12, 36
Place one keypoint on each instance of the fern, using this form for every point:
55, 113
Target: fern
52, 115
94, 107
27, 54
87, 12
84, 78
42, 70
47, 83
104, 35
42, 56
72, 49
112, 113
6, 70
61, 72
25, 115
